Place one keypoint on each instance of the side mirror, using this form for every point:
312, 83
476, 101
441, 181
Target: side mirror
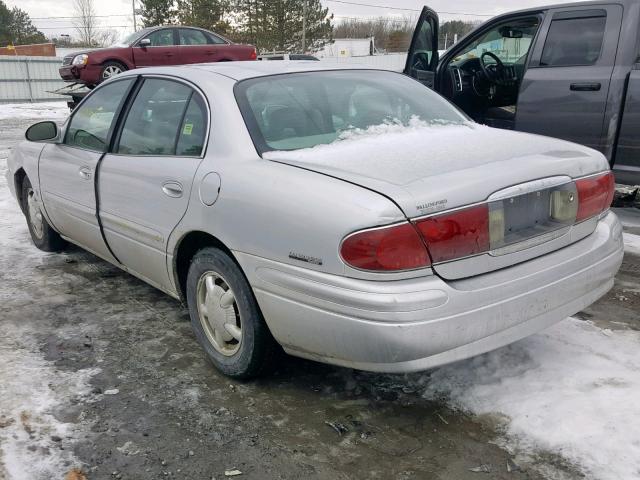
42, 131
144, 43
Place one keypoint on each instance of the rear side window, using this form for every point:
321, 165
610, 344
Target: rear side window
91, 122
163, 120
189, 36
162, 38
574, 41
193, 128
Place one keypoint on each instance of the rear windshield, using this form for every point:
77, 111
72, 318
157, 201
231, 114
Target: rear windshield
302, 110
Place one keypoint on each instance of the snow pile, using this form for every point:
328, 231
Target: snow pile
631, 243
31, 388
57, 111
572, 390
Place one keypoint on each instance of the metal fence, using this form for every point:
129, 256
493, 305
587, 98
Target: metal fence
28, 79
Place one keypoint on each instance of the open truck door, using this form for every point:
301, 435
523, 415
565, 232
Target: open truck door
422, 59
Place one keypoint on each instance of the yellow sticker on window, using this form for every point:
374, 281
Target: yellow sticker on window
188, 128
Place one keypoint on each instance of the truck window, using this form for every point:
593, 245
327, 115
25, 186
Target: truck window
575, 40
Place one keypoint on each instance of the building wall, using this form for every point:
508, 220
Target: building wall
38, 49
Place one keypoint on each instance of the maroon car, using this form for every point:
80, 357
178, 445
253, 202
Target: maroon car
154, 46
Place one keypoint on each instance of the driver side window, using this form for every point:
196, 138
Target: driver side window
90, 124
509, 42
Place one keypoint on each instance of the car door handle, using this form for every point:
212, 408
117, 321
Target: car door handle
586, 87
85, 173
172, 189
168, 54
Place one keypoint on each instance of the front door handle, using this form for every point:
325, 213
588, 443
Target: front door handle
586, 87
172, 189
85, 173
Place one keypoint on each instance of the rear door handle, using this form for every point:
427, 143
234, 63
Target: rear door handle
85, 173
172, 189
586, 87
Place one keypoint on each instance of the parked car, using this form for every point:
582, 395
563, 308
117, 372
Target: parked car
153, 46
287, 56
570, 71
352, 216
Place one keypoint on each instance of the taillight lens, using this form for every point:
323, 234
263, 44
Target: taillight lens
595, 195
457, 234
398, 247
254, 54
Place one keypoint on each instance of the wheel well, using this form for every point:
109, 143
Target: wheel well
113, 60
190, 244
18, 179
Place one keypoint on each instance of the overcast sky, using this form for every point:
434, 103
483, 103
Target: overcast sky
117, 14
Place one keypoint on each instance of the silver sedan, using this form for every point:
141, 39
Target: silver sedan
350, 216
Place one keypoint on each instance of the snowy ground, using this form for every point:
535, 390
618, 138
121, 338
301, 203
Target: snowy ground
561, 404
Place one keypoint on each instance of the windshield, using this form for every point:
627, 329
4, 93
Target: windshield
510, 42
129, 39
302, 110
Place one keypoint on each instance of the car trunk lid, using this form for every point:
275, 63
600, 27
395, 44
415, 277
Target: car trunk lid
433, 169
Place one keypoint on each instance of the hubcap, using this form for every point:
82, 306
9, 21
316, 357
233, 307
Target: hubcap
219, 314
35, 215
110, 71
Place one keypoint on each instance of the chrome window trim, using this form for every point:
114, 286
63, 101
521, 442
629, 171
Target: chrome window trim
196, 89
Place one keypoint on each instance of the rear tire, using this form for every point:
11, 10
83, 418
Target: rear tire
43, 236
111, 69
225, 316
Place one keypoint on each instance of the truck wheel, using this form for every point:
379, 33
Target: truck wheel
225, 316
111, 69
44, 237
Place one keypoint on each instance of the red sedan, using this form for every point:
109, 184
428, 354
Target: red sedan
153, 46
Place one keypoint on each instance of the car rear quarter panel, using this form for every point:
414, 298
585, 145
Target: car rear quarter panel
237, 52
269, 209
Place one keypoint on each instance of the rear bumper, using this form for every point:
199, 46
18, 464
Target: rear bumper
89, 74
416, 324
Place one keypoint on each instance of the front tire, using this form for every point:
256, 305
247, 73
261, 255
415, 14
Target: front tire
111, 69
43, 236
225, 316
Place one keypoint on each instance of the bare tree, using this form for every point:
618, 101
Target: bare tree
85, 22
106, 38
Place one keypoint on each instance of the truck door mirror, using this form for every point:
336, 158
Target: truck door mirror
42, 131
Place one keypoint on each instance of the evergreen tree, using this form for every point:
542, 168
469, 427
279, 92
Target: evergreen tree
157, 12
209, 14
16, 27
277, 25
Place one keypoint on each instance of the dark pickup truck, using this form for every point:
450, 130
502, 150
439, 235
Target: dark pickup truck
569, 71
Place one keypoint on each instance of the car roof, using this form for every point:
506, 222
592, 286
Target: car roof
252, 69
590, 3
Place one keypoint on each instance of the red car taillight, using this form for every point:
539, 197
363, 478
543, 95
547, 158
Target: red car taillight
254, 54
457, 234
398, 247
595, 195
473, 230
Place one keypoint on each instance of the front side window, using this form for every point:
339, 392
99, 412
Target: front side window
162, 38
574, 41
90, 124
301, 110
510, 41
163, 120
189, 36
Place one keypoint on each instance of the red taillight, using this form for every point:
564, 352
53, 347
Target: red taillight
254, 54
398, 247
457, 234
595, 195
